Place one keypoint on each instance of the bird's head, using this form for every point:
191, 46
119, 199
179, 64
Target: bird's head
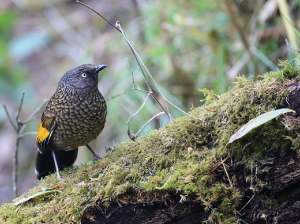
82, 77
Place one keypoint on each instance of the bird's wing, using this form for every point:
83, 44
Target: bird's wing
46, 126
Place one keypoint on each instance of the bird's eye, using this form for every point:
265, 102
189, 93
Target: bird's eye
83, 75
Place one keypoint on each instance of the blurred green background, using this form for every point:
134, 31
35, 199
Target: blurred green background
186, 45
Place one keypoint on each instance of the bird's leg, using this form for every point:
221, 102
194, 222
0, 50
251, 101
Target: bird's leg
96, 156
56, 166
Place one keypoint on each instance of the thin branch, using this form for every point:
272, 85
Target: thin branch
15, 168
133, 87
129, 132
7, 114
139, 61
141, 91
112, 97
138, 109
27, 133
146, 81
131, 73
288, 44
149, 121
32, 116
247, 203
226, 173
182, 110
98, 15
19, 128
15, 159
20, 107
249, 143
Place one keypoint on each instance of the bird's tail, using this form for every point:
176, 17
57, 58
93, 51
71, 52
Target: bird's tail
44, 164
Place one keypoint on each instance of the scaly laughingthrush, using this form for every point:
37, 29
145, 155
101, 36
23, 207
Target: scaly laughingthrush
74, 116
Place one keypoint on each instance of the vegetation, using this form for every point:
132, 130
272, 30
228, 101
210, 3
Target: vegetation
186, 45
184, 157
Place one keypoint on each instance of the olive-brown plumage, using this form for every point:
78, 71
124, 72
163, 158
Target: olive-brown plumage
74, 116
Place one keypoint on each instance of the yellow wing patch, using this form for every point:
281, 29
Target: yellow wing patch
46, 126
42, 133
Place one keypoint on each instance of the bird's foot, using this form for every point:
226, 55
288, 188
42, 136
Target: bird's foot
96, 157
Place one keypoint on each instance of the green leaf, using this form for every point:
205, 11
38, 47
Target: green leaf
160, 188
100, 175
34, 196
257, 122
291, 25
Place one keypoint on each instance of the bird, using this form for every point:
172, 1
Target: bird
74, 116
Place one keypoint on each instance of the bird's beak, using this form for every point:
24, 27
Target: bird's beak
100, 67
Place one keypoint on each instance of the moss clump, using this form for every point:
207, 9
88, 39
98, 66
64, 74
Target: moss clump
223, 200
289, 71
162, 161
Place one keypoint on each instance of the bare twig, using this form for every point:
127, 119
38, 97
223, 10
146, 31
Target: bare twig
27, 133
7, 114
249, 143
138, 109
226, 173
139, 89
288, 44
183, 111
112, 97
247, 203
133, 87
15, 159
15, 166
33, 115
20, 107
98, 14
139, 61
129, 132
146, 81
19, 128
149, 121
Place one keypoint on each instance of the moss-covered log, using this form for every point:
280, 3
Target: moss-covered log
187, 172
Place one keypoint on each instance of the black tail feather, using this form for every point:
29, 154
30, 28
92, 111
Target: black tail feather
44, 164
66, 158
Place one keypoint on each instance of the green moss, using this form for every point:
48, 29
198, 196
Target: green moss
288, 72
161, 160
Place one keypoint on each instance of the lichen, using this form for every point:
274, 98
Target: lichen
161, 161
